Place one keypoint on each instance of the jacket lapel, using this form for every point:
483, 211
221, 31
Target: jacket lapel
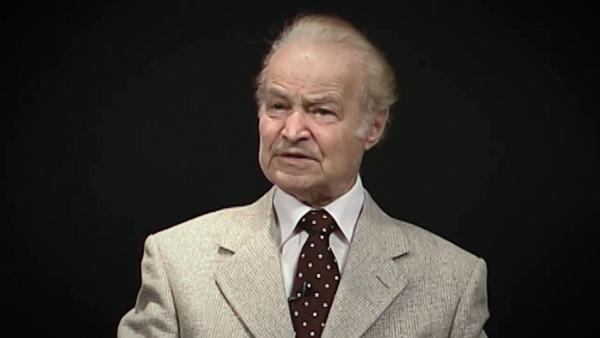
371, 279
250, 278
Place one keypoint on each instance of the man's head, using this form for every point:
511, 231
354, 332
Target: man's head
323, 97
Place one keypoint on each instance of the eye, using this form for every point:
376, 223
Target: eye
277, 106
323, 111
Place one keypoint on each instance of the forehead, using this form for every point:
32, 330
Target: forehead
312, 67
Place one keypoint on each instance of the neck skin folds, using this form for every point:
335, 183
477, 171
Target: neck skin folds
319, 199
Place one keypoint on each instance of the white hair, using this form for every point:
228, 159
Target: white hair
380, 81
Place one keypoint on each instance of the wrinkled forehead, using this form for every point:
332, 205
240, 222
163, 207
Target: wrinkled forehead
313, 66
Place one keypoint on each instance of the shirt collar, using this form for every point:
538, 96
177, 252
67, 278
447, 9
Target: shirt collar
344, 210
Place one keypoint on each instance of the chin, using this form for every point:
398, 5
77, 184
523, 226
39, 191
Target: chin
292, 183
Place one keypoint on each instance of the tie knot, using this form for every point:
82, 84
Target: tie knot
318, 221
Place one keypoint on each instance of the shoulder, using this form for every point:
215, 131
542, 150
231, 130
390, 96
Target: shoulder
420, 243
210, 228
204, 224
204, 231
196, 242
425, 242
434, 256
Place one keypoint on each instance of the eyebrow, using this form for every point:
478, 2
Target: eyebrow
314, 99
276, 92
323, 99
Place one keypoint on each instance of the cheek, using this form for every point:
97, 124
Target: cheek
332, 147
338, 151
267, 133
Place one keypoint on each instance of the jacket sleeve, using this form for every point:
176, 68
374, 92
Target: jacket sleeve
154, 313
472, 310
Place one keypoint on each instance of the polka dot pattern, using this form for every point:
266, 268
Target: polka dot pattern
317, 276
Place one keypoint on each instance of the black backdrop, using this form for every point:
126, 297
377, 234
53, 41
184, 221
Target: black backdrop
134, 116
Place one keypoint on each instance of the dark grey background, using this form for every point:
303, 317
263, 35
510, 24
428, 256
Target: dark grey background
130, 117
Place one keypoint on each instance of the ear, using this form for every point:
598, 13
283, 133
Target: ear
376, 128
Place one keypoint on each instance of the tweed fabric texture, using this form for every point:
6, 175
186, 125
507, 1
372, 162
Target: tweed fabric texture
219, 275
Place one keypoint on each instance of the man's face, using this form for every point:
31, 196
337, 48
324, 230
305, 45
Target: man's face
308, 123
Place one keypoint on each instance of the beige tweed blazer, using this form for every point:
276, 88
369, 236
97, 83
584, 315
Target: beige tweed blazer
219, 275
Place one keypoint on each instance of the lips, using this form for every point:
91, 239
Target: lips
296, 155
297, 160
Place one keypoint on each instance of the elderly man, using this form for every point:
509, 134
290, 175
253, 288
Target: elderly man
315, 256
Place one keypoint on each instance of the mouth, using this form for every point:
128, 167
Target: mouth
296, 155
298, 160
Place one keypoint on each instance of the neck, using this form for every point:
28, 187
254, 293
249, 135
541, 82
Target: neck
319, 198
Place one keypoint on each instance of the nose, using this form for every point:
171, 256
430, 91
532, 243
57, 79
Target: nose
295, 128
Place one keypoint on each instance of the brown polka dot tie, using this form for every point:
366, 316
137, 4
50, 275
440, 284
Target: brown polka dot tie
317, 276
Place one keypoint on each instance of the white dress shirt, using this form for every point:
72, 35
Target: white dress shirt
344, 210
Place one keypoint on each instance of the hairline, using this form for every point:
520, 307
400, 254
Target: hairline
358, 56
376, 97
